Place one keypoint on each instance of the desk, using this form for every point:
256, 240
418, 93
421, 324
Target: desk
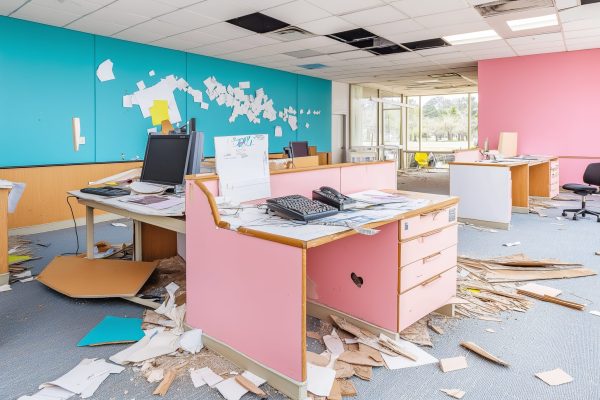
250, 290
491, 191
4, 274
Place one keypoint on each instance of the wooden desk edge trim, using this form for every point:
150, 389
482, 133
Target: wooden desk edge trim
481, 164
212, 177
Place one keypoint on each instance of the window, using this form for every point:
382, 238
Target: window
442, 123
392, 119
364, 129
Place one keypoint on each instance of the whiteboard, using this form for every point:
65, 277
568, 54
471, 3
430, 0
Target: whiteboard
242, 163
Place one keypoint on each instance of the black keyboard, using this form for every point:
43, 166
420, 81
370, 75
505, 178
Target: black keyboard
106, 191
300, 208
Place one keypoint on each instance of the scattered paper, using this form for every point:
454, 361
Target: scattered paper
16, 191
594, 312
244, 85
50, 393
511, 244
5, 288
127, 101
555, 377
148, 347
197, 378
334, 345
105, 71
26, 280
151, 72
490, 330
541, 289
113, 330
191, 341
399, 362
231, 390
456, 393
119, 224
257, 380
156, 375
453, 364
24, 274
319, 380
209, 376
86, 377
483, 353
152, 130
278, 131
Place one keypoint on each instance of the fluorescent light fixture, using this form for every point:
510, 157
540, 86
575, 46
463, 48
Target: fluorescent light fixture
472, 37
429, 81
532, 23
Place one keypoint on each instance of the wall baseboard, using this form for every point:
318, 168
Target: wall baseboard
55, 226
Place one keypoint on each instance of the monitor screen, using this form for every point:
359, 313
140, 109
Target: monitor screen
299, 149
196, 152
166, 159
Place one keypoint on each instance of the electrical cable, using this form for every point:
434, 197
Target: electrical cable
75, 227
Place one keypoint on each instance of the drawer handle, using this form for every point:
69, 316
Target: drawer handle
431, 280
434, 213
431, 233
431, 257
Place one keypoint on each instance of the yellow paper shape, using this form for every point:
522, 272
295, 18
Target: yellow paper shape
159, 111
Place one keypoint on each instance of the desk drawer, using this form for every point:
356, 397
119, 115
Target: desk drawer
419, 271
427, 222
426, 298
427, 244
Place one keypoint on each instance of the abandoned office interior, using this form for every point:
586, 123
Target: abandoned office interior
299, 199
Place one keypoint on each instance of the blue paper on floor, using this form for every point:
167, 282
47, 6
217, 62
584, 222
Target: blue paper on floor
113, 330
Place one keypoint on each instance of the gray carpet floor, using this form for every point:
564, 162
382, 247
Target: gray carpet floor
39, 328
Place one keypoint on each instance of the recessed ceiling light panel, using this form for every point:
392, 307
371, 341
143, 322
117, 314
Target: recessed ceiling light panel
532, 23
472, 37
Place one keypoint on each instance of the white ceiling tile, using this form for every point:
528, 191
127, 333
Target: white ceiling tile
526, 52
225, 31
326, 26
138, 35
418, 8
91, 24
524, 40
438, 50
118, 17
147, 8
492, 53
175, 42
492, 44
393, 28
581, 24
339, 7
534, 46
8, 6
197, 37
374, 16
45, 15
579, 13
161, 28
178, 3
464, 16
187, 19
586, 33
562, 4
223, 10
80, 7
461, 28
296, 12
573, 45
335, 48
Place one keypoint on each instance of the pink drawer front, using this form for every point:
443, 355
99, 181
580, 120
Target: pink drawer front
426, 298
419, 271
427, 222
427, 244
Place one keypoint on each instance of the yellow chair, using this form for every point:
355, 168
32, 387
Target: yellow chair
422, 160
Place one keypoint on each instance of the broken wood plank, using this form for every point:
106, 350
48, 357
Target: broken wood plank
358, 358
551, 299
336, 391
317, 359
453, 364
363, 372
483, 353
251, 387
374, 354
165, 384
396, 349
347, 388
343, 369
456, 393
352, 329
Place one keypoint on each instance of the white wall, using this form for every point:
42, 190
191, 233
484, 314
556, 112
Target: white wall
340, 105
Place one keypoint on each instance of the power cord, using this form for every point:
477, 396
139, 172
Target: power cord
75, 227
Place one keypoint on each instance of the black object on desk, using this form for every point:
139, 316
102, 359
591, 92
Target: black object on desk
106, 191
300, 208
330, 196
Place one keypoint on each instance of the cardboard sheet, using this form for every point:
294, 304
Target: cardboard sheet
113, 330
82, 278
555, 377
453, 364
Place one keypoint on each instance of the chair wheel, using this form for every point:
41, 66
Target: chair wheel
574, 217
598, 220
564, 214
583, 214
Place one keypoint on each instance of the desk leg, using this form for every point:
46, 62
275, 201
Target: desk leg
89, 231
137, 240
4, 236
520, 188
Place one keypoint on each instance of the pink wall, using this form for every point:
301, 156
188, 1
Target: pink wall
551, 100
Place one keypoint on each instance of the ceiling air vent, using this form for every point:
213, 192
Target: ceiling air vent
313, 66
289, 34
499, 7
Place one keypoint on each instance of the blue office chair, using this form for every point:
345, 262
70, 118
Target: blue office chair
591, 176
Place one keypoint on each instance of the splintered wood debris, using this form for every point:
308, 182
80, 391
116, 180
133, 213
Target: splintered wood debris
483, 353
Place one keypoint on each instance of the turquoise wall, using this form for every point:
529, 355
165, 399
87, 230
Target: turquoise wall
48, 76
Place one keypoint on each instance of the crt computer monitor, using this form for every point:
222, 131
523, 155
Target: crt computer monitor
299, 149
166, 159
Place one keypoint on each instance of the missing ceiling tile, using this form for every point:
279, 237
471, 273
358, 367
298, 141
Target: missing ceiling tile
426, 44
380, 51
259, 23
499, 7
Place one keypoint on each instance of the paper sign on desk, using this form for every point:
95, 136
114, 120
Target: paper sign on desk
242, 163
159, 111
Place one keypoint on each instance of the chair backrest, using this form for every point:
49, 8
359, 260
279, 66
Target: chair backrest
591, 176
422, 159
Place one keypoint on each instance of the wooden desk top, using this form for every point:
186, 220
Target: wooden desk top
437, 202
507, 163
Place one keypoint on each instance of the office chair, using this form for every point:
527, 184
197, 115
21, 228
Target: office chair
591, 176
422, 160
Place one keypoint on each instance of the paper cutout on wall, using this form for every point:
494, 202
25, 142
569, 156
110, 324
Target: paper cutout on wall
163, 90
159, 111
151, 73
105, 71
278, 131
141, 85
